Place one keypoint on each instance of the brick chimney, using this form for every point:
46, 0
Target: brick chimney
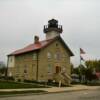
36, 39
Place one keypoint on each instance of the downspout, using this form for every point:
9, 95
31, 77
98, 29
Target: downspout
37, 71
6, 73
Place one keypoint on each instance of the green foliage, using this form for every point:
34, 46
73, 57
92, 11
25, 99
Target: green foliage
82, 69
72, 68
2, 64
76, 70
21, 92
16, 85
90, 75
91, 64
3, 70
79, 70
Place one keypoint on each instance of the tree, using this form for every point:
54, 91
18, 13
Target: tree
3, 68
72, 68
93, 66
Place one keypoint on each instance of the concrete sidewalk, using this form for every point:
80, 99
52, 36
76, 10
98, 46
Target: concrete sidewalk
56, 89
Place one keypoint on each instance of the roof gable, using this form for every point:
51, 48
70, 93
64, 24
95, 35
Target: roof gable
64, 44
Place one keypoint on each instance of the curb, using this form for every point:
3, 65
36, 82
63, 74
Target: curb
50, 92
27, 94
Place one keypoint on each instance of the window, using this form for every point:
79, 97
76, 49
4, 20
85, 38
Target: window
25, 69
33, 66
34, 56
17, 71
10, 74
10, 59
48, 55
49, 69
58, 56
56, 44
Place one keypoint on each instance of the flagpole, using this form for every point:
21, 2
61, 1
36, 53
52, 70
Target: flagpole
80, 64
80, 55
81, 59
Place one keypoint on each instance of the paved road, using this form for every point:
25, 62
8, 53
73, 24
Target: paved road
79, 95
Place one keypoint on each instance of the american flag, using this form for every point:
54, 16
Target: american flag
82, 51
81, 58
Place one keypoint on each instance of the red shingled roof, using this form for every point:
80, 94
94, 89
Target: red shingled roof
32, 47
39, 45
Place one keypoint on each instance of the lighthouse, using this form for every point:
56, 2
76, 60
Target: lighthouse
52, 29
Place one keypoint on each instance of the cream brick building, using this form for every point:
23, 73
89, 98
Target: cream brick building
43, 60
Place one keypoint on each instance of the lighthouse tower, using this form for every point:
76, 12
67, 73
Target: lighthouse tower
52, 29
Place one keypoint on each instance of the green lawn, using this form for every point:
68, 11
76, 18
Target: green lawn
15, 85
21, 92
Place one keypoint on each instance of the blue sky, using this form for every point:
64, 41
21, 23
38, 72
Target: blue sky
20, 20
